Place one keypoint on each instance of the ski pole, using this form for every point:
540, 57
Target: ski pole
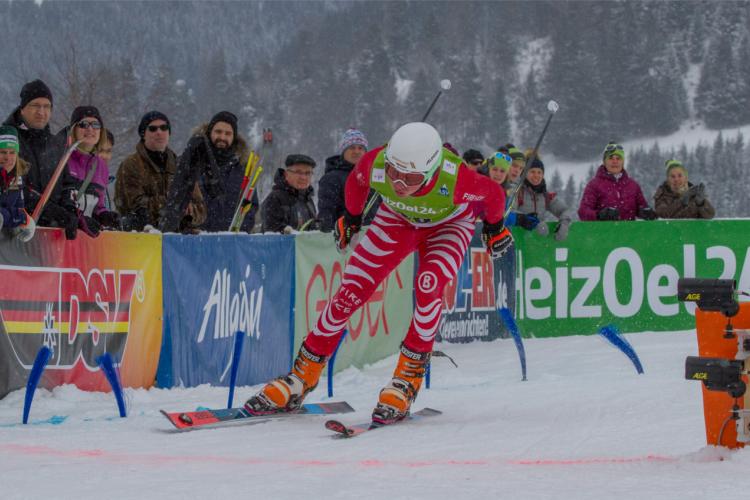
552, 107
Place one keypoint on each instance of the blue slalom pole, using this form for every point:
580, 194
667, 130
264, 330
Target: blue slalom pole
239, 337
427, 375
108, 367
331, 363
512, 327
612, 334
40, 362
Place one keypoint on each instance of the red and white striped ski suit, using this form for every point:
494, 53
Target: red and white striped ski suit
441, 248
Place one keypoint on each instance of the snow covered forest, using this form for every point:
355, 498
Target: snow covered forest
621, 70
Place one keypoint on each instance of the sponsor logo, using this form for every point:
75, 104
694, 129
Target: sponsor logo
231, 310
412, 209
444, 190
427, 282
378, 175
449, 167
472, 197
78, 316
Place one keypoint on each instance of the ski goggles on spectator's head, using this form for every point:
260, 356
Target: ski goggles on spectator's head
153, 128
614, 149
500, 160
83, 124
410, 179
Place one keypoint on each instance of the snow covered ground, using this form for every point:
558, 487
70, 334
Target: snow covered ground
584, 426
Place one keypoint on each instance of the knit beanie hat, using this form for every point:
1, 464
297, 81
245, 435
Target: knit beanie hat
352, 137
537, 163
515, 153
613, 148
82, 112
150, 117
471, 155
226, 117
672, 164
499, 160
8, 137
33, 90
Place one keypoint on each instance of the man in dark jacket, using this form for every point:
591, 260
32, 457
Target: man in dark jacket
331, 185
290, 204
214, 157
144, 177
41, 150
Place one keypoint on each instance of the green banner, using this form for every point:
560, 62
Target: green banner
375, 330
622, 273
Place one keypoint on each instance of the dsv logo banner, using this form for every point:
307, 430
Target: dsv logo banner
78, 316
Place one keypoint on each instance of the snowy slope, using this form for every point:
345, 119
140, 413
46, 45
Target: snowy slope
585, 426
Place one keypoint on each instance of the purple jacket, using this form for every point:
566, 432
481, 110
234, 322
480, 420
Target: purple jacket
604, 190
77, 168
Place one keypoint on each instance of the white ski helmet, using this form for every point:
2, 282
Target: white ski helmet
415, 148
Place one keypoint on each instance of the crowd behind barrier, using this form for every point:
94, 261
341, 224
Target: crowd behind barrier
166, 306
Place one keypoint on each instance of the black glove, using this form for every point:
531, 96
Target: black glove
54, 215
496, 238
88, 225
647, 213
699, 194
109, 220
527, 221
608, 213
345, 228
134, 221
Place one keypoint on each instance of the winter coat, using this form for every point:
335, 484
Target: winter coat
671, 205
219, 174
77, 168
41, 150
287, 206
604, 190
11, 195
537, 200
141, 189
331, 193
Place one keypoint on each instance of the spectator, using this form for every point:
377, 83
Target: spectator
106, 150
496, 167
144, 177
215, 158
677, 198
473, 159
39, 148
612, 194
516, 167
290, 204
534, 202
331, 186
13, 217
87, 174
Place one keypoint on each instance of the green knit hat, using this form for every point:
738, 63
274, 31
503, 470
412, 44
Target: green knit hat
613, 148
499, 160
8, 137
516, 153
672, 164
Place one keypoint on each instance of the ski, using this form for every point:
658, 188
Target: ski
212, 418
348, 431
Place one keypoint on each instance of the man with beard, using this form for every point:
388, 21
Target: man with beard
214, 157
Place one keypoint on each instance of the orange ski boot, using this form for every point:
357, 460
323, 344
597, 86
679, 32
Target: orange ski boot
396, 397
286, 393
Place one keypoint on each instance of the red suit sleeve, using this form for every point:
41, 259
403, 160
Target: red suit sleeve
481, 191
358, 183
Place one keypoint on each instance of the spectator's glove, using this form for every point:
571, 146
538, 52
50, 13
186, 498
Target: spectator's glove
542, 229
135, 221
346, 227
526, 221
496, 238
647, 213
699, 194
70, 225
56, 215
25, 231
561, 232
109, 220
608, 213
88, 225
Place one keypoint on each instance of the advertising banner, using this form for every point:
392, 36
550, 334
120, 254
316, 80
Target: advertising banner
470, 301
377, 328
623, 273
215, 285
80, 298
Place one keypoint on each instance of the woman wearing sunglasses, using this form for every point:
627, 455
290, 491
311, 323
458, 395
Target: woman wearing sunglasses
87, 173
430, 201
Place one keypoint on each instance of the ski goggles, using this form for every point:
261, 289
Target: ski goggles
500, 160
410, 179
612, 148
